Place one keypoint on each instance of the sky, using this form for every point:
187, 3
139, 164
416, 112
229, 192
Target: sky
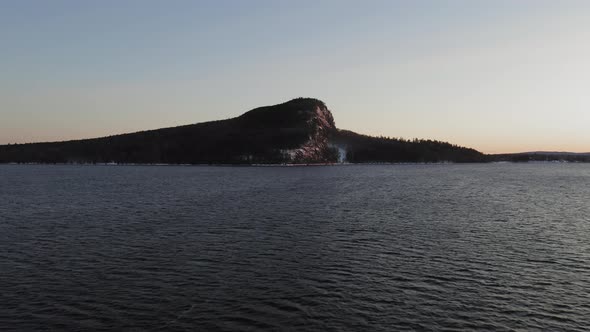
498, 76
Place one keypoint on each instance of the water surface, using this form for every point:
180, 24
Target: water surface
375, 248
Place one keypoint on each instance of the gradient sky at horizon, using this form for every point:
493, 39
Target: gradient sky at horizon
498, 76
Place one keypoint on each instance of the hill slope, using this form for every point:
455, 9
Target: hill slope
362, 149
299, 131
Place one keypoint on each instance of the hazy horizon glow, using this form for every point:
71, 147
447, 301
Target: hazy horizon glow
498, 76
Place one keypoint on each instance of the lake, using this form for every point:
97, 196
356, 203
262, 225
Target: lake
335, 248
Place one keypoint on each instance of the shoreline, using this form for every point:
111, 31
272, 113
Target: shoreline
292, 165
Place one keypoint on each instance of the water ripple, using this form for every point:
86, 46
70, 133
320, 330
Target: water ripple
379, 248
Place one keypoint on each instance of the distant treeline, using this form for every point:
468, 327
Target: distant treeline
210, 142
542, 156
365, 149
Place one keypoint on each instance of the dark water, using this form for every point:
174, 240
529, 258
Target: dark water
358, 248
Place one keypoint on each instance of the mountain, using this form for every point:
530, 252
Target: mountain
299, 131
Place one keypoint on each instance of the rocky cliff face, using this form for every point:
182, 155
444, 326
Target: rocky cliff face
316, 148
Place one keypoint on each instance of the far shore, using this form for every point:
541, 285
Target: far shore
296, 165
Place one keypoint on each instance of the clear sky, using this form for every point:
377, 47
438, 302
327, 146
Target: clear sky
496, 75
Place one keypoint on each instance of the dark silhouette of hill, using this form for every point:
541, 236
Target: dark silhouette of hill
299, 131
362, 149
